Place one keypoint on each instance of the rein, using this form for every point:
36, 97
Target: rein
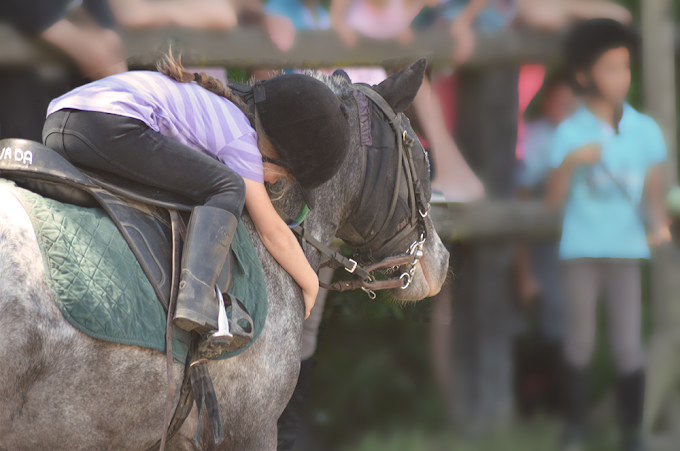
367, 281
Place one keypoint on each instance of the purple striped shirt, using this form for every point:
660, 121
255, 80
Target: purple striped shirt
185, 112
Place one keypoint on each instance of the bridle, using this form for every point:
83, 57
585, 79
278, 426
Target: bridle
419, 209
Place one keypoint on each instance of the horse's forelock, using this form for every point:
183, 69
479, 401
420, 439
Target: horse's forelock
339, 85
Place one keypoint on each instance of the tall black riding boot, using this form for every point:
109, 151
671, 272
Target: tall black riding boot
630, 393
206, 249
574, 405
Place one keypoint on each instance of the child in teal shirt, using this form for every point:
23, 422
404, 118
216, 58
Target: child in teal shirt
603, 158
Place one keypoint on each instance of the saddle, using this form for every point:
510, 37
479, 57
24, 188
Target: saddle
140, 212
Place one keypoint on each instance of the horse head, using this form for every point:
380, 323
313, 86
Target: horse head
378, 202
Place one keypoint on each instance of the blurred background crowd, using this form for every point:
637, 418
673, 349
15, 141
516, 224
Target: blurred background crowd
501, 358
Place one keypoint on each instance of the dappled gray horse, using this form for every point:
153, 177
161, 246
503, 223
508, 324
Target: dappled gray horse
60, 389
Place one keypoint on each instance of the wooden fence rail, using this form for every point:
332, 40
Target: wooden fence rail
490, 220
249, 47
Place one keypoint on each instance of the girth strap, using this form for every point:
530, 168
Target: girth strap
206, 400
177, 236
186, 400
196, 384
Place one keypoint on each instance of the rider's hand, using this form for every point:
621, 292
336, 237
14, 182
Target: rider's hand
587, 155
309, 295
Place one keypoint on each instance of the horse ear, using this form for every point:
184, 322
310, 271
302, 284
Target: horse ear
400, 89
341, 73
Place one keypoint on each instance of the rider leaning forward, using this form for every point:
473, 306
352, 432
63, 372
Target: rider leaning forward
189, 134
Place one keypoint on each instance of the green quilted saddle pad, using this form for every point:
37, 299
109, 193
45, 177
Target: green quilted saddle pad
100, 288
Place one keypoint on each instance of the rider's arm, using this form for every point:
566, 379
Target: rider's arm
280, 241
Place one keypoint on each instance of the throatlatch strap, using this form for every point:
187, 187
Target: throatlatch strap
349, 264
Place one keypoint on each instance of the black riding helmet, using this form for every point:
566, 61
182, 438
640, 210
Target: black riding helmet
307, 124
588, 40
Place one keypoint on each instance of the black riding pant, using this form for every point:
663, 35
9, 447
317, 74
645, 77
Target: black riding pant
131, 149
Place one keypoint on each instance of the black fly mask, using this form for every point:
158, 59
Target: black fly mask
392, 198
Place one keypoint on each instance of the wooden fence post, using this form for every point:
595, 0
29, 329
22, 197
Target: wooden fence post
663, 370
659, 73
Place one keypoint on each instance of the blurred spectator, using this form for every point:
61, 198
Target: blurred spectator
538, 279
537, 261
486, 16
556, 14
489, 16
391, 19
603, 156
486, 131
89, 39
378, 19
85, 33
217, 14
206, 14
285, 17
280, 27
304, 14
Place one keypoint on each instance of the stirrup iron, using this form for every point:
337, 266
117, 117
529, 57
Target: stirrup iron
230, 335
222, 319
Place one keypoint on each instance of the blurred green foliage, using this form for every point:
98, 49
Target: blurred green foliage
539, 434
374, 387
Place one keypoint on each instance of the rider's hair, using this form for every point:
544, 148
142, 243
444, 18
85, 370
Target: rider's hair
173, 68
267, 149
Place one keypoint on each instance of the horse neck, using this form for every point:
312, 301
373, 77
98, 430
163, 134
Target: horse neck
334, 202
